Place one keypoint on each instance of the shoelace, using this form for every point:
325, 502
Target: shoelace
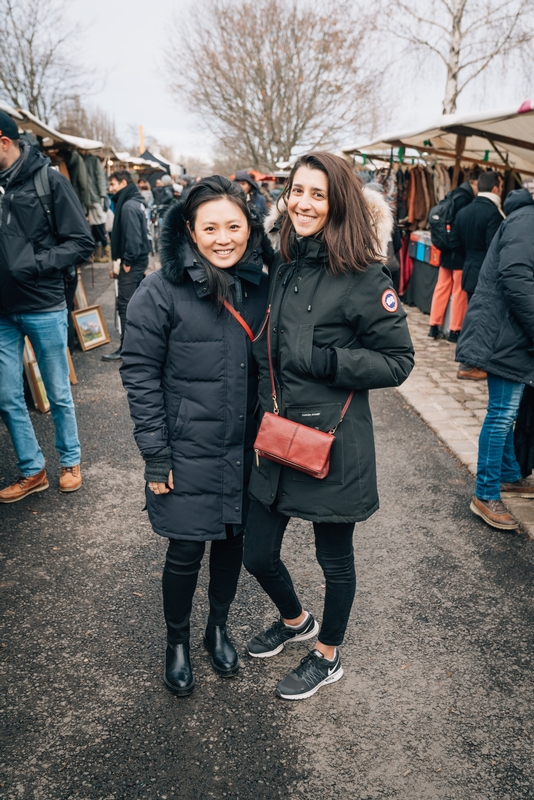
68, 469
309, 670
272, 634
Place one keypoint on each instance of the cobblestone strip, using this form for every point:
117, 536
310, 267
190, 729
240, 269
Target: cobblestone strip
454, 409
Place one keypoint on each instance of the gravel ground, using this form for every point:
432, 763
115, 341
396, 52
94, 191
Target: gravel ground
436, 702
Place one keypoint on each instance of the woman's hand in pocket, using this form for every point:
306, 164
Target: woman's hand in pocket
162, 488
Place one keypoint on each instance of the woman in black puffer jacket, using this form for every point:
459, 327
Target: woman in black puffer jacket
192, 388
336, 327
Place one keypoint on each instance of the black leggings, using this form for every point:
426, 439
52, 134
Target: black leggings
99, 234
334, 551
180, 579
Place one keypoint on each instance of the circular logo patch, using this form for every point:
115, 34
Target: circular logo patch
390, 301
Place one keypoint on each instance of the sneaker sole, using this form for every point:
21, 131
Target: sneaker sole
332, 679
491, 522
300, 638
27, 494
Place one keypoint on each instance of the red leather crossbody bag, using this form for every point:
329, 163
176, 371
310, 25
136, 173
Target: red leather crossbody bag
286, 442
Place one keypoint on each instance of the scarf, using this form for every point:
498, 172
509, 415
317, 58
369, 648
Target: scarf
129, 191
494, 199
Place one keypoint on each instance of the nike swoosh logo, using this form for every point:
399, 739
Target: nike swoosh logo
331, 670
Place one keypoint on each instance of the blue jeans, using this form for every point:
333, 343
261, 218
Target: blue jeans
48, 334
496, 455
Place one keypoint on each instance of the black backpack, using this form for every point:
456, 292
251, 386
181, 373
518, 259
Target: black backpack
440, 221
41, 182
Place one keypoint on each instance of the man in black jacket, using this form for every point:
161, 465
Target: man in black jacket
41, 237
497, 337
472, 233
129, 243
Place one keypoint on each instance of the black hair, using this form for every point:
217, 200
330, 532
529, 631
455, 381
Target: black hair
121, 175
488, 181
215, 188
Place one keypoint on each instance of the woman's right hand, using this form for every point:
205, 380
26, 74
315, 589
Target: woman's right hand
162, 488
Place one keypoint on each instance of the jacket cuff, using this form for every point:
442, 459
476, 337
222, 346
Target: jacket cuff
158, 466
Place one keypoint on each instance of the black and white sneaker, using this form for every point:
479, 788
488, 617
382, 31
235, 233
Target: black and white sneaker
313, 672
272, 641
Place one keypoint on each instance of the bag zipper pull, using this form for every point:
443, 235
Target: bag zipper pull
257, 458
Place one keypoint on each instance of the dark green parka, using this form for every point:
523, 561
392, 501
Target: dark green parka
359, 315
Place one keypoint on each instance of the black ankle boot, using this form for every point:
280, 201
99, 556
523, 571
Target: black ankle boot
178, 675
435, 332
224, 658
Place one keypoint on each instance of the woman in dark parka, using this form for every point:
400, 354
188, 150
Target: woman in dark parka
192, 389
336, 326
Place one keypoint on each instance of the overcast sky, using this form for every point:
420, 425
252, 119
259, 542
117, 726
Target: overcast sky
126, 40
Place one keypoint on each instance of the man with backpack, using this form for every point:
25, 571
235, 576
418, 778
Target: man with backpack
43, 236
441, 219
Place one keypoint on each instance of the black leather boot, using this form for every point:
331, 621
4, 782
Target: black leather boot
178, 675
116, 356
224, 658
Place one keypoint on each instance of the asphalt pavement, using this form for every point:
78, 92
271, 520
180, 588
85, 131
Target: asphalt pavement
436, 702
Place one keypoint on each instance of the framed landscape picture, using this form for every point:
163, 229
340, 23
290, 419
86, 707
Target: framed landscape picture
34, 377
90, 327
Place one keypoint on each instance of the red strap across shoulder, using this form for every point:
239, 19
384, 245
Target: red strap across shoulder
240, 319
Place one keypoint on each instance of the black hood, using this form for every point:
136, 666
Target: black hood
177, 253
517, 199
33, 161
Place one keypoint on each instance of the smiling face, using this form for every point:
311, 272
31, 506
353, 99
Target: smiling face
307, 204
221, 232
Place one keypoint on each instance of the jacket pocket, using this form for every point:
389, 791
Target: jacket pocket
181, 419
323, 417
18, 257
296, 349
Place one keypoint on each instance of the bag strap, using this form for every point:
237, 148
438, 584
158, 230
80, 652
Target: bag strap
273, 385
41, 181
240, 319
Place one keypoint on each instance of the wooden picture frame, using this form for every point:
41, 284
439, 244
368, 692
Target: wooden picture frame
80, 298
73, 380
35, 379
90, 327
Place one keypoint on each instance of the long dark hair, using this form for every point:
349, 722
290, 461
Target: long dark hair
215, 188
350, 239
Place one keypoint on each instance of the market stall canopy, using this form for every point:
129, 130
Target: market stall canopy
136, 161
27, 122
173, 169
499, 138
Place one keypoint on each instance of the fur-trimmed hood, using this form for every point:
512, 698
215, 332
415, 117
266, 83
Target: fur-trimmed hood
176, 253
381, 218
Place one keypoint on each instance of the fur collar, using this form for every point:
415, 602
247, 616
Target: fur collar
175, 251
381, 217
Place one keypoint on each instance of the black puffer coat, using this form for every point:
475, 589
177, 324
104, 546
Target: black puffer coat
357, 314
498, 329
192, 385
32, 259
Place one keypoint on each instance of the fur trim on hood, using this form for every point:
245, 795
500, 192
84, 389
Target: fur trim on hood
381, 218
174, 244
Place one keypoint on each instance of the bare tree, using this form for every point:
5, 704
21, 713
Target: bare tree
90, 122
37, 67
467, 36
273, 77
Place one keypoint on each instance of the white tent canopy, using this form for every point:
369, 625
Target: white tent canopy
499, 138
27, 122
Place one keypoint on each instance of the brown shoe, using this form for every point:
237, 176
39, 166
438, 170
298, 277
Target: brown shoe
521, 488
70, 479
473, 374
24, 486
494, 513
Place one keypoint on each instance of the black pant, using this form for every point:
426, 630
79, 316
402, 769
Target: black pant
334, 551
99, 234
70, 290
180, 579
128, 283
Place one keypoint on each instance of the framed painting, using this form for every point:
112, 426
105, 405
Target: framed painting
90, 327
